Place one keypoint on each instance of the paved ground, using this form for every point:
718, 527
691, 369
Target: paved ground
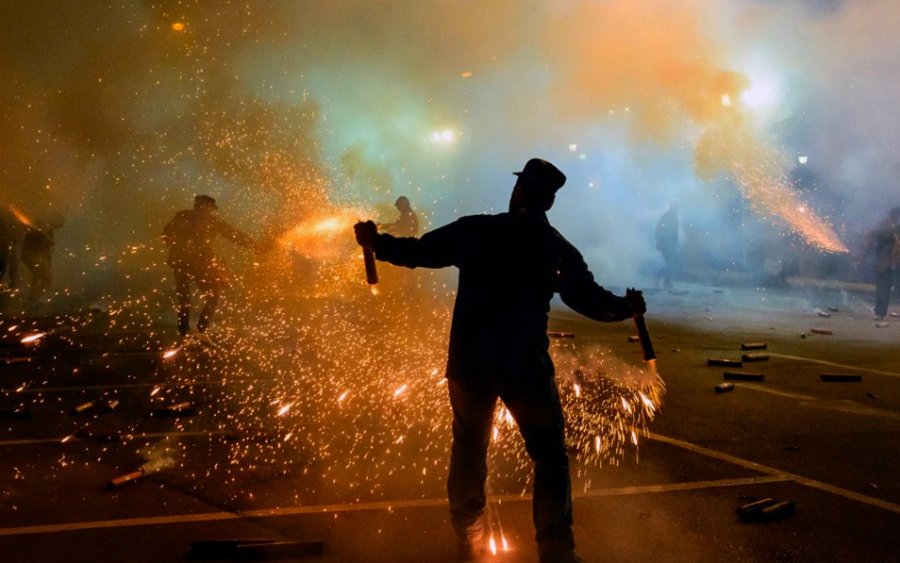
831, 448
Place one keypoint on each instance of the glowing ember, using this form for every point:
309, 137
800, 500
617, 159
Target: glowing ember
493, 545
32, 338
169, 354
21, 217
178, 26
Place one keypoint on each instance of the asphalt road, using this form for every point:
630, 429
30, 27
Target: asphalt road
829, 447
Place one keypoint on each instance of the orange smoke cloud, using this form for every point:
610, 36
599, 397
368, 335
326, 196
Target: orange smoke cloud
658, 63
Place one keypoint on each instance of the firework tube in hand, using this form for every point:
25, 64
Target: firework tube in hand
636, 299
366, 233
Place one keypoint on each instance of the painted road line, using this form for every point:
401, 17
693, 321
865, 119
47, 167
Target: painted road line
769, 390
771, 475
112, 386
357, 507
747, 464
74, 437
834, 364
850, 407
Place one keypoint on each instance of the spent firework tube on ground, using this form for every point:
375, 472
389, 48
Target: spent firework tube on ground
147, 468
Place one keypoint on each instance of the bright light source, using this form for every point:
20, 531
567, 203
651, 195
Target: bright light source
802, 159
763, 92
178, 26
573, 147
726, 100
443, 137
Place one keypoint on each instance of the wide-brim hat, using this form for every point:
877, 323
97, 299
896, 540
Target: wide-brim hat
205, 200
543, 173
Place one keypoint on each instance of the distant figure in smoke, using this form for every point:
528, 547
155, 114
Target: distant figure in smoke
884, 241
190, 236
510, 265
667, 244
407, 225
37, 254
12, 231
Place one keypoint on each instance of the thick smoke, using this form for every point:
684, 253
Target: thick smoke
114, 117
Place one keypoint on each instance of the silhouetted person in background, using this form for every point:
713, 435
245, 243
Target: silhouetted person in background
12, 231
37, 254
667, 243
884, 241
510, 265
407, 225
190, 237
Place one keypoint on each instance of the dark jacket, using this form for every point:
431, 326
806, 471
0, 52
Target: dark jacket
510, 265
884, 241
190, 237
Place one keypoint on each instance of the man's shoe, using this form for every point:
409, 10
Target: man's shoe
470, 541
570, 557
469, 550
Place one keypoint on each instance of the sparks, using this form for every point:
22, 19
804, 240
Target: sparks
32, 338
400, 390
283, 410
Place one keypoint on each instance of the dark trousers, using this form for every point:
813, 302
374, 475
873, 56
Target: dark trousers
536, 409
670, 268
885, 281
212, 291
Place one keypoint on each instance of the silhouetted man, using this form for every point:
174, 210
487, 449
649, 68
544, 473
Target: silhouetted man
667, 244
12, 231
884, 241
407, 225
190, 236
510, 265
37, 254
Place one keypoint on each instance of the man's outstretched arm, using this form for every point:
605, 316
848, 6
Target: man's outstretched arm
579, 291
439, 248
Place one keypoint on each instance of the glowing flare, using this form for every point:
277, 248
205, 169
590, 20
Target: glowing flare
400, 390
169, 354
32, 338
493, 545
21, 217
284, 409
178, 26
647, 402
